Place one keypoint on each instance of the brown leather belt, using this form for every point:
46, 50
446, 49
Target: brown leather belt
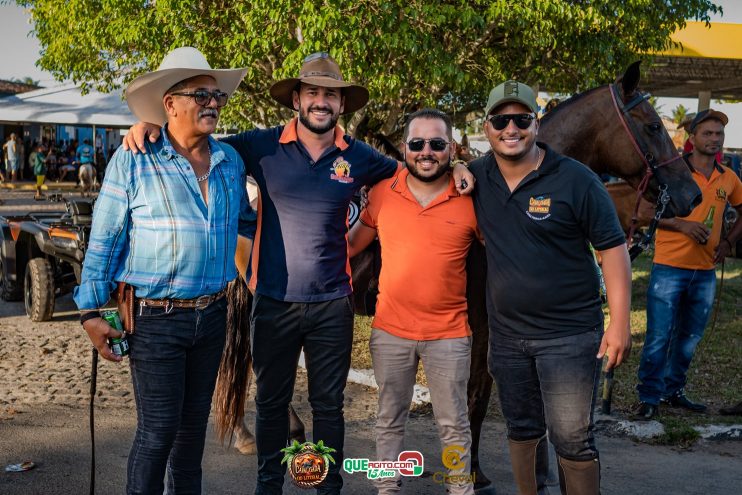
201, 302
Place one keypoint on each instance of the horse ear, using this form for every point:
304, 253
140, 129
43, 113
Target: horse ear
465, 140
630, 79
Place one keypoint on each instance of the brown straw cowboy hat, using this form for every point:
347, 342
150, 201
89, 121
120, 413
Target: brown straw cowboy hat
144, 94
319, 69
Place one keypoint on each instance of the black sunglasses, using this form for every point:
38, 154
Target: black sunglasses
522, 120
204, 97
436, 144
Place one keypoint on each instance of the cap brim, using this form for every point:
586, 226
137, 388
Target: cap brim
509, 100
144, 94
356, 96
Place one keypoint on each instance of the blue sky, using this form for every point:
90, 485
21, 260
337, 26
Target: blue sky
21, 51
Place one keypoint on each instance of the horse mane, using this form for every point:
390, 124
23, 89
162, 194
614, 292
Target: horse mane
570, 101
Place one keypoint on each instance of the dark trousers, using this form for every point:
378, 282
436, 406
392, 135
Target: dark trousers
174, 361
279, 331
549, 384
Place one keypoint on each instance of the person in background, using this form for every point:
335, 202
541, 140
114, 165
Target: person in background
682, 282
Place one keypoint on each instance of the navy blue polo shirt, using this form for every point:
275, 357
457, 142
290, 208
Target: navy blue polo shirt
541, 278
301, 250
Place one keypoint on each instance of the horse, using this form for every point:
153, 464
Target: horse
88, 179
612, 129
624, 198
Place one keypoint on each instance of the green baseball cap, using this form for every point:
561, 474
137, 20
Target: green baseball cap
511, 92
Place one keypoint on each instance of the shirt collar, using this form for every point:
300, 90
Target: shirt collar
290, 134
717, 167
399, 184
168, 151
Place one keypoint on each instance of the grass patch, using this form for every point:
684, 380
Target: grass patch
714, 377
677, 432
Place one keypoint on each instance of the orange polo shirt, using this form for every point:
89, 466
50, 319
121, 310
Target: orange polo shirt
677, 249
422, 286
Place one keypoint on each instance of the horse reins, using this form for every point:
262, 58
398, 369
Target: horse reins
651, 163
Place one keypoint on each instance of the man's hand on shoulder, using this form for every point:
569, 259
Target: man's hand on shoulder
463, 178
99, 331
138, 134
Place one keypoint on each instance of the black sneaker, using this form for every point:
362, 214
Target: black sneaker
678, 399
645, 411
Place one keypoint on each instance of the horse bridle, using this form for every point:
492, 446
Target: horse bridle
651, 163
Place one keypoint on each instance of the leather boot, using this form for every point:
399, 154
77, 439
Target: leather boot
579, 477
530, 460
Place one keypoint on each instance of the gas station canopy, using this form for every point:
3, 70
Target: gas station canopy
706, 63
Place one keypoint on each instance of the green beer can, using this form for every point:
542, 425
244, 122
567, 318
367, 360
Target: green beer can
119, 347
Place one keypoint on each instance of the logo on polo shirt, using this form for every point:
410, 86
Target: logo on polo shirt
341, 170
721, 194
539, 208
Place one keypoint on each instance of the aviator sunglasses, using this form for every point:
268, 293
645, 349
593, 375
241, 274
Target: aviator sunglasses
204, 97
436, 144
522, 120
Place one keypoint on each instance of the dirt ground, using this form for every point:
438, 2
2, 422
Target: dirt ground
44, 387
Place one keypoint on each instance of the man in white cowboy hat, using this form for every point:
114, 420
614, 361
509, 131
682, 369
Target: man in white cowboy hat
166, 223
307, 173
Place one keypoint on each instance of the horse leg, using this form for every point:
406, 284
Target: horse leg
479, 387
244, 439
296, 427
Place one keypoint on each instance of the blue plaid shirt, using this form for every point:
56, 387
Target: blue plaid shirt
151, 228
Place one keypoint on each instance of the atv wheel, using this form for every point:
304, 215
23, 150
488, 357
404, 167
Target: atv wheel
9, 291
38, 290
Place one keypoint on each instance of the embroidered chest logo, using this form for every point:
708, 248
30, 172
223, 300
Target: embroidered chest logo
539, 208
721, 194
341, 171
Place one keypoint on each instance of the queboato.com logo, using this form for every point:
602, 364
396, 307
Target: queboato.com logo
408, 463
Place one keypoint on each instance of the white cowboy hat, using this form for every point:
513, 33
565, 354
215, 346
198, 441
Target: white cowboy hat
144, 94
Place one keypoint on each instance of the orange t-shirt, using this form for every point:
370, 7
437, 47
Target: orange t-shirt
677, 249
422, 286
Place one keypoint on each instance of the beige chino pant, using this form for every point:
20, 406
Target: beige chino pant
446, 364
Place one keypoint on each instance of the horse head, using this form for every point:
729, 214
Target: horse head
614, 129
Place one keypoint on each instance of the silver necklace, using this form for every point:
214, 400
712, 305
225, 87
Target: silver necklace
206, 175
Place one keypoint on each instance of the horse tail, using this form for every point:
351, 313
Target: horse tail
233, 380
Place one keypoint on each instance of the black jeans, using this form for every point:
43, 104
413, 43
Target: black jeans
549, 384
174, 361
279, 331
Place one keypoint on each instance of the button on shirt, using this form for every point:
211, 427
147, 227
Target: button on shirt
301, 250
152, 229
541, 276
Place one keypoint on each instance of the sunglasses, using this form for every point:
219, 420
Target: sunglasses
522, 120
204, 97
436, 144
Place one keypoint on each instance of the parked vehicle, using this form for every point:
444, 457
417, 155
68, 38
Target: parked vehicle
41, 255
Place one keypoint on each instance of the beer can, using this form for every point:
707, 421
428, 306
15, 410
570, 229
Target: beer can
119, 346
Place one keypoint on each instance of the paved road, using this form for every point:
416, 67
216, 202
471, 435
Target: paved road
44, 383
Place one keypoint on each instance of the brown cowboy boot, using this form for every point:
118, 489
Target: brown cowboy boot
530, 460
579, 477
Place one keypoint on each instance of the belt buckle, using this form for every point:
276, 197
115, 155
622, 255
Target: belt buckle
202, 302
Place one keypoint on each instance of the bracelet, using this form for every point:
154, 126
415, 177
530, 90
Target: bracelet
89, 315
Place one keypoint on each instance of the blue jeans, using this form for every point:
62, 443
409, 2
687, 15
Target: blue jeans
174, 361
549, 384
279, 331
679, 304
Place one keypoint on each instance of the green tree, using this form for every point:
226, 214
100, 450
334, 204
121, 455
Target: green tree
679, 113
409, 53
26, 80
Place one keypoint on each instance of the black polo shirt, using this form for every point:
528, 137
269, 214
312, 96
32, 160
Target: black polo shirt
300, 252
542, 281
